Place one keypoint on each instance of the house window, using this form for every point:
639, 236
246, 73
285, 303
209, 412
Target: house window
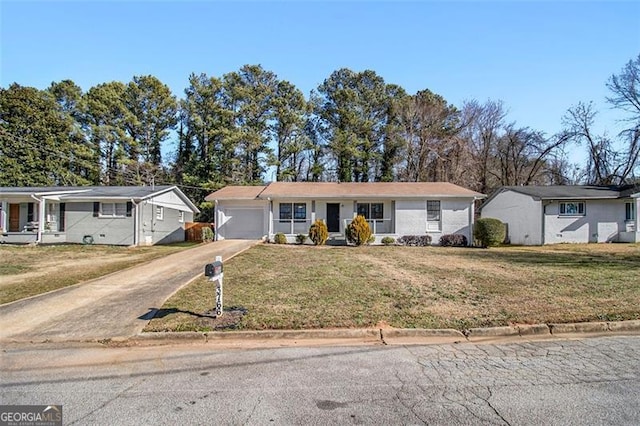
113, 209
159, 212
433, 215
433, 211
181, 216
630, 211
370, 210
296, 211
572, 208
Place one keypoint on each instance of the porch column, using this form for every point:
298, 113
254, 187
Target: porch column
3, 216
637, 223
270, 215
313, 211
41, 218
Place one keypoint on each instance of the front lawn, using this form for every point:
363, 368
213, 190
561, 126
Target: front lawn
29, 270
296, 287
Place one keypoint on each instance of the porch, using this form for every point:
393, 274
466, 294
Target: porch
26, 220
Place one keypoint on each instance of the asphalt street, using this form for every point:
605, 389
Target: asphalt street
585, 381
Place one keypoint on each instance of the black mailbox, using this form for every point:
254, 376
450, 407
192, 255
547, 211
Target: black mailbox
213, 269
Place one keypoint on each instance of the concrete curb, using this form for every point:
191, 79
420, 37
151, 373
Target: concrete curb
390, 336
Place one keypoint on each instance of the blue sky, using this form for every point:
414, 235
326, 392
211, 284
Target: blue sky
540, 57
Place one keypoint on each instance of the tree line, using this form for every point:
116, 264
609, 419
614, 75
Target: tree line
248, 126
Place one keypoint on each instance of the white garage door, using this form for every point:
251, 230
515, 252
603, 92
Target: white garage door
244, 223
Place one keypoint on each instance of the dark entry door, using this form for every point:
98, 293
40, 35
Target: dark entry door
333, 217
14, 217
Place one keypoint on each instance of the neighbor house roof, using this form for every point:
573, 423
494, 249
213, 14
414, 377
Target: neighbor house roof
337, 190
136, 193
570, 192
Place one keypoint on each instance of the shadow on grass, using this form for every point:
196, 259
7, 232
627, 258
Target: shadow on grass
161, 313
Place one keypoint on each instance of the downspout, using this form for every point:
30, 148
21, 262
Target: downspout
136, 224
40, 218
216, 220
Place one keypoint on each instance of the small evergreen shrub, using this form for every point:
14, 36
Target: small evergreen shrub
301, 238
415, 240
358, 231
489, 232
372, 239
280, 238
318, 233
207, 234
453, 240
387, 241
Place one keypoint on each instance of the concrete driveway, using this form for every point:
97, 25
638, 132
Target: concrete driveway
111, 306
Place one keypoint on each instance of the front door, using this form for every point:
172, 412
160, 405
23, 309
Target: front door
14, 217
333, 217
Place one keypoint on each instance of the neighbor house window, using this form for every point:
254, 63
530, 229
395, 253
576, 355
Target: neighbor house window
296, 211
371, 210
180, 216
630, 211
159, 212
113, 209
572, 208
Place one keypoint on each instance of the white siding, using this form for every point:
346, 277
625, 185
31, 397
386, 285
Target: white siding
603, 222
411, 217
455, 218
521, 213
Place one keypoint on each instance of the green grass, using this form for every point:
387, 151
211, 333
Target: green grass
295, 287
30, 270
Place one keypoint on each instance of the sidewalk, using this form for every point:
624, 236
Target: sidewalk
111, 306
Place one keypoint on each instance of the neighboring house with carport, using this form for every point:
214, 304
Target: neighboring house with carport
392, 209
537, 215
117, 215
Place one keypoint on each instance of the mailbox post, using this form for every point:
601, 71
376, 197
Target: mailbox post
214, 272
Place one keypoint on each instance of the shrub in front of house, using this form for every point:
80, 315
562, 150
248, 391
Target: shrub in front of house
318, 233
280, 238
415, 240
388, 241
489, 232
207, 234
358, 231
453, 240
301, 238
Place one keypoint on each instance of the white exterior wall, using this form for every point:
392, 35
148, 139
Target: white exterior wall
223, 218
455, 218
521, 213
603, 222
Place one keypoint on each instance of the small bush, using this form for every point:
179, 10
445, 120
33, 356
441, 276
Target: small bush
301, 238
280, 238
358, 231
318, 233
415, 240
372, 239
453, 240
387, 241
489, 232
207, 234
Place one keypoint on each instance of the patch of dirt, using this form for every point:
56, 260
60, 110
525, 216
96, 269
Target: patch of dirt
229, 320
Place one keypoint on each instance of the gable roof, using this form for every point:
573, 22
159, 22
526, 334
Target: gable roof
570, 192
338, 190
136, 193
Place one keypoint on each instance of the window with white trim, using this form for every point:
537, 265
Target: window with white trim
433, 215
113, 209
371, 210
572, 208
630, 211
159, 212
181, 216
296, 211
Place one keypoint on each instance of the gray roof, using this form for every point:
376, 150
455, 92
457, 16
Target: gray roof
569, 192
96, 192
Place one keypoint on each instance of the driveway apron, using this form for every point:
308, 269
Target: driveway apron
117, 305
